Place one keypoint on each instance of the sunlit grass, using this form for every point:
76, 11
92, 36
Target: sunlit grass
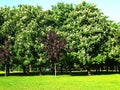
62, 82
2, 72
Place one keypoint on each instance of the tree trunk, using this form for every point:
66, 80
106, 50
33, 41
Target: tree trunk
100, 69
55, 69
61, 69
30, 68
7, 70
119, 68
24, 69
96, 70
27, 69
107, 68
70, 69
116, 68
89, 71
80, 69
40, 70
103, 68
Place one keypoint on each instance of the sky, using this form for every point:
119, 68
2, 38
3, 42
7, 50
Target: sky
110, 8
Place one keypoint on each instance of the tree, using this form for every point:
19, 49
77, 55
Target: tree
25, 37
87, 32
115, 44
5, 57
54, 48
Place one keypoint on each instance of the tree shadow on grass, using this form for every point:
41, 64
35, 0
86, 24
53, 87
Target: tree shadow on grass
76, 73
92, 73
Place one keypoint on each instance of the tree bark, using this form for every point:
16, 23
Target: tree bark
30, 68
107, 68
24, 69
27, 69
70, 69
116, 68
119, 68
55, 69
100, 69
96, 68
7, 70
40, 70
61, 69
89, 71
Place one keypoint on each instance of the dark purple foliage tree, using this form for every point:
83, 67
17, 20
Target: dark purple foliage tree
54, 48
4, 57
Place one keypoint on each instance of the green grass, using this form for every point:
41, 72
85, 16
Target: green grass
61, 82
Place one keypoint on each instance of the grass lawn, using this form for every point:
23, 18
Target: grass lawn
61, 82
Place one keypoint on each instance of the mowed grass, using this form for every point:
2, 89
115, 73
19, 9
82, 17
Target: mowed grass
61, 82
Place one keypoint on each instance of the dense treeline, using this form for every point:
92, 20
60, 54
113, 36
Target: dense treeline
67, 36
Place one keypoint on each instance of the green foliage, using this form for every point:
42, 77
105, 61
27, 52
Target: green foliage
86, 30
90, 37
115, 42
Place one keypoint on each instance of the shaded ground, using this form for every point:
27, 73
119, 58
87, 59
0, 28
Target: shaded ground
73, 73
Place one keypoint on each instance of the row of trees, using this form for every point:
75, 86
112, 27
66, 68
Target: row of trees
65, 36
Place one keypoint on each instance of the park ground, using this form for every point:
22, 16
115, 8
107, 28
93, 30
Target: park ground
61, 82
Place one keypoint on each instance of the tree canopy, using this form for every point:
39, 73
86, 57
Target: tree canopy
89, 38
